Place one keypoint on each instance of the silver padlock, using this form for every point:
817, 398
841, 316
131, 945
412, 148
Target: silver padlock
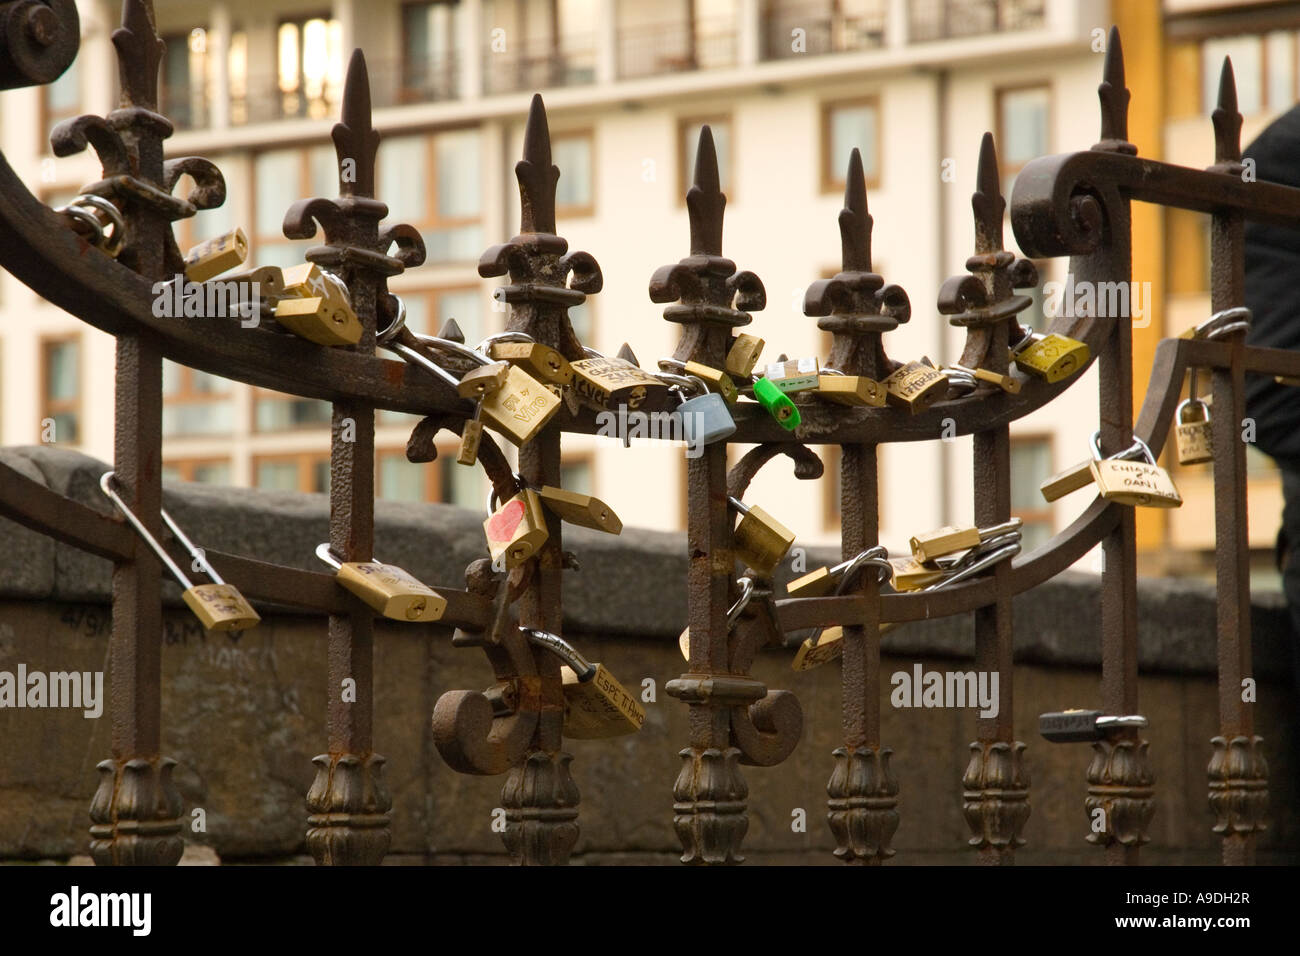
705, 418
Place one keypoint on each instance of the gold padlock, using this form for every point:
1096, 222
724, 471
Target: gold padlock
319, 319
598, 706
1051, 357
516, 530
471, 436
521, 407
761, 541
484, 380
916, 386
1008, 383
714, 380
949, 540
1140, 483
910, 574
1193, 433
218, 606
215, 256
856, 390
822, 581
743, 355
608, 383
386, 588
794, 375
586, 511
541, 361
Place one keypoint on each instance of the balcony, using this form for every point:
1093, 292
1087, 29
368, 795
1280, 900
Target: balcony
676, 47
539, 64
827, 28
950, 19
400, 82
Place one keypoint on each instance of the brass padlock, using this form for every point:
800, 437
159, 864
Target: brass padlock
516, 530
484, 380
319, 319
761, 541
586, 511
949, 540
608, 383
714, 380
218, 606
1051, 357
386, 588
794, 375
1079, 476
471, 436
541, 361
1193, 432
215, 256
916, 386
1008, 383
596, 705
521, 407
1140, 483
910, 574
856, 390
743, 355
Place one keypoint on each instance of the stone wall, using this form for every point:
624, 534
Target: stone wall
244, 714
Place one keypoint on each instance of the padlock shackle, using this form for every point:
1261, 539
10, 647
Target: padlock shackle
746, 594
115, 219
415, 358
195, 551
876, 557
105, 484
563, 650
326, 554
484, 348
521, 484
455, 348
738, 504
975, 567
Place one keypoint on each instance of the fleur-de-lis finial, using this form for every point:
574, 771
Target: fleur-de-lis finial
1227, 120
536, 174
139, 52
704, 200
855, 221
355, 139
1114, 97
987, 201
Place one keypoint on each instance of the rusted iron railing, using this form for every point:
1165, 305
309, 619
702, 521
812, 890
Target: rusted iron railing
1074, 205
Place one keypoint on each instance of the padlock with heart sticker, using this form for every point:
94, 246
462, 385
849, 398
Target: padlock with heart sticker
516, 530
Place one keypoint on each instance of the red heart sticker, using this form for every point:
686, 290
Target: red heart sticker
503, 524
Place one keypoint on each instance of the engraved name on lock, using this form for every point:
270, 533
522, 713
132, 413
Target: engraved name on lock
1193, 435
520, 407
1053, 358
916, 386
1135, 483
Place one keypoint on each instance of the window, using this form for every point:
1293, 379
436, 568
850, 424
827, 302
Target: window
577, 475
186, 79
277, 412
449, 216
61, 99
310, 74
460, 484
1031, 462
427, 312
237, 78
574, 193
700, 36
844, 126
61, 388
551, 43
204, 471
1263, 65
829, 26
309, 472
194, 402
688, 141
397, 479
430, 34
281, 176
1023, 129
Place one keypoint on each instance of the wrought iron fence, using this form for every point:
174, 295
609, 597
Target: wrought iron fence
103, 259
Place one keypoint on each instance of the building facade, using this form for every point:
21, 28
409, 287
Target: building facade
787, 87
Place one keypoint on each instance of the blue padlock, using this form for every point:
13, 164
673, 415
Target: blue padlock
706, 419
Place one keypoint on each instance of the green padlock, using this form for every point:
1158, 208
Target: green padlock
777, 403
